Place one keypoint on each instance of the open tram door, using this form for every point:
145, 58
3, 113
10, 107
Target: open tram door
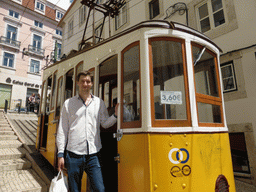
108, 93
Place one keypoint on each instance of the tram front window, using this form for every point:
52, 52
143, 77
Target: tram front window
209, 102
205, 73
168, 80
131, 86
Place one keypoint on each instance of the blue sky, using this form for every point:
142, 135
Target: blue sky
61, 3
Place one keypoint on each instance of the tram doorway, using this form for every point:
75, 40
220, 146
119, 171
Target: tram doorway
108, 93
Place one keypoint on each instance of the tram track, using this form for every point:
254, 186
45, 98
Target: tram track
27, 134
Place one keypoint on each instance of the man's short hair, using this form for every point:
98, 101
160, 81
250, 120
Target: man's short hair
84, 73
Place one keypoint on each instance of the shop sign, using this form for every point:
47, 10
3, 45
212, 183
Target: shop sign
17, 82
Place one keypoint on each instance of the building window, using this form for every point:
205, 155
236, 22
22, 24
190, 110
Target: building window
239, 153
37, 42
8, 60
34, 66
38, 24
228, 77
40, 6
58, 32
59, 15
154, 8
121, 18
58, 50
11, 33
70, 28
82, 14
210, 14
14, 14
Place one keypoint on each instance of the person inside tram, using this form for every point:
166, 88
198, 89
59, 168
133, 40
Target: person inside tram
112, 109
128, 114
79, 131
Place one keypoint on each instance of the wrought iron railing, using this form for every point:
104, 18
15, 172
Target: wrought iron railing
7, 41
36, 50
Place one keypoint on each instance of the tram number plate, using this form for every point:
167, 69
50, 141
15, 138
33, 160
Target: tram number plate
171, 97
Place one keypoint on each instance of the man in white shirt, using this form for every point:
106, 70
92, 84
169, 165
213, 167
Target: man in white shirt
79, 132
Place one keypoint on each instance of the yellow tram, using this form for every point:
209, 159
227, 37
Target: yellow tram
171, 134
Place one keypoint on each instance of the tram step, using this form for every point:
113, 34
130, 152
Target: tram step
5, 128
14, 164
12, 153
21, 180
6, 132
10, 144
8, 137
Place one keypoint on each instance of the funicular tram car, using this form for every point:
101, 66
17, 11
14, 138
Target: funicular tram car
171, 134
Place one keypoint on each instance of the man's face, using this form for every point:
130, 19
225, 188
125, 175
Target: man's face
84, 83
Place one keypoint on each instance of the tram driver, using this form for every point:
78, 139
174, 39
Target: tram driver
79, 131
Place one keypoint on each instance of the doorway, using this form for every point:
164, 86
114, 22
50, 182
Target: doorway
108, 93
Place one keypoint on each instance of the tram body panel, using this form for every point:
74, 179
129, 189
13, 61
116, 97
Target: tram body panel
190, 162
49, 152
134, 167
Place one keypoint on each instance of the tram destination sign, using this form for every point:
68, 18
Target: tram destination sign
171, 97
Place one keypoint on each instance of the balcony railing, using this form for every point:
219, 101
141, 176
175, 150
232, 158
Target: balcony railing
36, 50
9, 42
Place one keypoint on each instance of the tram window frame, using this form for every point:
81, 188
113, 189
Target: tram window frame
76, 73
59, 92
134, 123
209, 99
53, 89
169, 122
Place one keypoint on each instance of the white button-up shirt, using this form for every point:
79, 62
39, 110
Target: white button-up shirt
79, 125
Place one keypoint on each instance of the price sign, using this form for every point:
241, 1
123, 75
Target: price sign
171, 97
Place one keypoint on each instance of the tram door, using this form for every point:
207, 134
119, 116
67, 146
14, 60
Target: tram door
108, 93
45, 109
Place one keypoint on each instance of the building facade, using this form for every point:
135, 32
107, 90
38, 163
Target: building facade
229, 23
29, 40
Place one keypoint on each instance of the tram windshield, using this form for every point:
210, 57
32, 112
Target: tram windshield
168, 74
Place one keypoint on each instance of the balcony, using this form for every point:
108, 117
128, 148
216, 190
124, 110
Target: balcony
9, 43
35, 51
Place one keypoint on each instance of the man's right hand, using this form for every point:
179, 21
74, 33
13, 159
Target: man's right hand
60, 163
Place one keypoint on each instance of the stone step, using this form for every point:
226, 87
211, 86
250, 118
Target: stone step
14, 164
8, 137
21, 180
5, 128
6, 132
4, 125
10, 144
12, 153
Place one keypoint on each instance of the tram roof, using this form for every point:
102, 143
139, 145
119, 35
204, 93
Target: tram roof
144, 24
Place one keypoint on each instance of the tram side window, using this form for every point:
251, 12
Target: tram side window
131, 86
168, 80
209, 102
48, 96
53, 89
43, 96
79, 68
69, 84
58, 98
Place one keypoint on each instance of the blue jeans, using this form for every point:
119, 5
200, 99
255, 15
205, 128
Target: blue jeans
77, 164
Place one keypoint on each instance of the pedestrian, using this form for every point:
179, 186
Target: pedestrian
37, 103
31, 102
79, 131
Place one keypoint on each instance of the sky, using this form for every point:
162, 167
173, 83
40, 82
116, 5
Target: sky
61, 3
